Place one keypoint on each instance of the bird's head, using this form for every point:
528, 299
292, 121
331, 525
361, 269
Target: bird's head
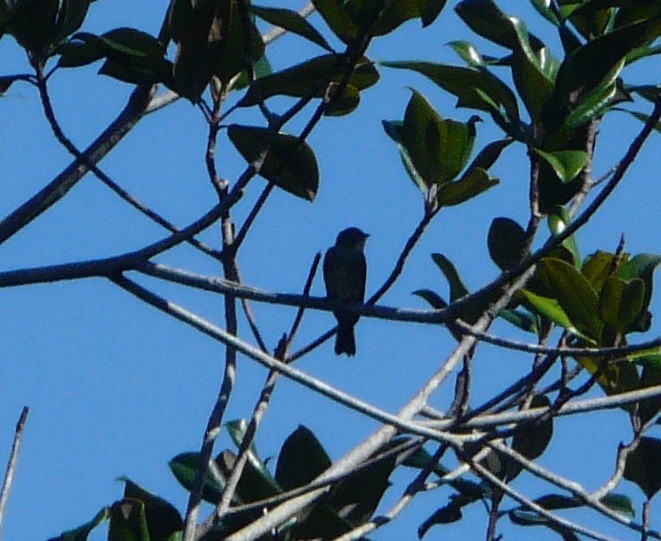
352, 238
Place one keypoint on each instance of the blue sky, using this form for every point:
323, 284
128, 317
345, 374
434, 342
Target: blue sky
116, 388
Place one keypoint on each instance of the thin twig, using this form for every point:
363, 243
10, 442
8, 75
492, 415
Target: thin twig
11, 464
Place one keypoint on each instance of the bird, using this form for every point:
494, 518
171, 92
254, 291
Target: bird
345, 273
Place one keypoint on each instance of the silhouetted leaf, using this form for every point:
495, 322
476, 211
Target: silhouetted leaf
301, 459
71, 16
163, 519
471, 184
82, 532
507, 243
531, 439
128, 521
434, 299
457, 287
33, 24
289, 164
291, 21
337, 19
642, 466
489, 154
185, 467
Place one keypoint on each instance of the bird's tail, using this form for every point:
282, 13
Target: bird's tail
345, 342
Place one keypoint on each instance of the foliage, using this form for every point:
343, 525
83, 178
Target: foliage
552, 109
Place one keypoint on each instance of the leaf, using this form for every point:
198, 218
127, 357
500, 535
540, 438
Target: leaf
434, 299
574, 294
457, 287
621, 303
301, 459
469, 53
185, 467
163, 519
253, 484
475, 89
474, 182
394, 130
641, 266
430, 10
586, 67
507, 243
71, 16
543, 8
489, 154
82, 532
650, 377
521, 319
128, 521
32, 24
310, 78
531, 439
486, 19
289, 163
558, 220
337, 19
292, 22
550, 309
237, 431
567, 164
642, 466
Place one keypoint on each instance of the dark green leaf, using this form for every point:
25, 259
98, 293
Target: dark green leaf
475, 89
301, 459
621, 303
337, 19
311, 78
542, 7
489, 154
130, 74
651, 377
521, 319
574, 294
292, 22
457, 287
430, 10
474, 182
33, 24
162, 517
434, 299
567, 164
507, 243
289, 163
642, 466
127, 45
485, 18
128, 521
531, 439
71, 16
82, 532
185, 467
588, 66
343, 104
356, 498
237, 431
394, 130
649, 92
620, 504
253, 484
75, 53
641, 266
469, 53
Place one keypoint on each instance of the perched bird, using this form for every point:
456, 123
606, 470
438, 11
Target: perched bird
345, 270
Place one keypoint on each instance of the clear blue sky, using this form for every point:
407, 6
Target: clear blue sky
116, 388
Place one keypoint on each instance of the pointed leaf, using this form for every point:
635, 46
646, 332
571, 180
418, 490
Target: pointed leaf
642, 466
128, 521
310, 78
163, 519
489, 154
434, 299
253, 484
574, 294
337, 19
292, 22
531, 439
289, 164
620, 302
644, 118
641, 266
469, 53
71, 16
82, 532
394, 130
474, 89
521, 319
457, 287
33, 24
474, 182
567, 164
185, 467
558, 220
301, 459
237, 431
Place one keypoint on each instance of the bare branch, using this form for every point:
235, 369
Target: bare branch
11, 464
